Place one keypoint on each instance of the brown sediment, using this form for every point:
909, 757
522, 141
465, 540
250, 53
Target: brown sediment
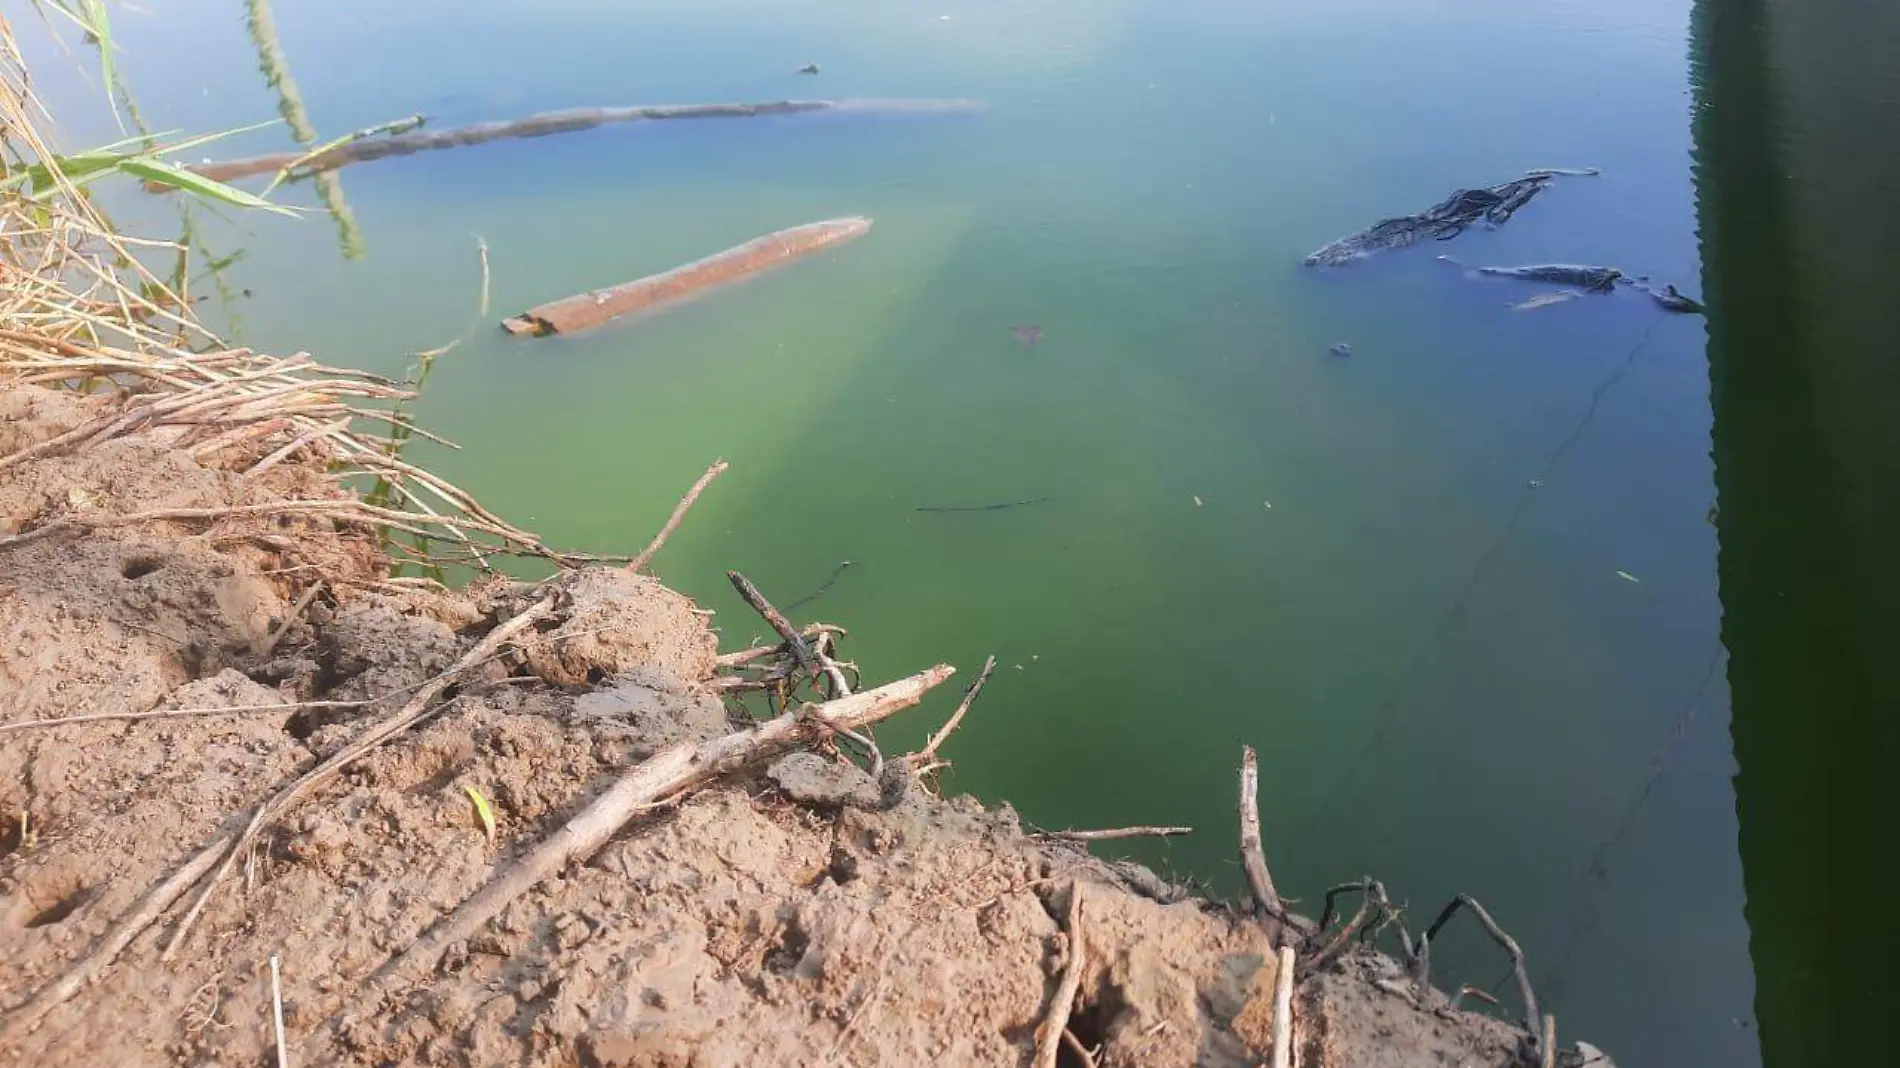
654, 292
362, 150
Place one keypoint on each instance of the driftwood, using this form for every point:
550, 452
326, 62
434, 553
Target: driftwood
364, 149
666, 774
654, 292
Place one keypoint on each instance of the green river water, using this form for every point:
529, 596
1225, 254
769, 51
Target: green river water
1460, 588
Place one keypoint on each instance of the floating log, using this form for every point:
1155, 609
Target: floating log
587, 310
365, 149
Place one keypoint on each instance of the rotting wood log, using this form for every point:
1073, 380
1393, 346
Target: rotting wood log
654, 292
363, 150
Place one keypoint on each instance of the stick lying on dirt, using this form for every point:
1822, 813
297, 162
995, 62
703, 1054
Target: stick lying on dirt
679, 512
665, 774
407, 716
656, 291
218, 857
1283, 1010
365, 149
1049, 1034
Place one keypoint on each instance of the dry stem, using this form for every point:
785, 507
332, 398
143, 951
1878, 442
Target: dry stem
679, 512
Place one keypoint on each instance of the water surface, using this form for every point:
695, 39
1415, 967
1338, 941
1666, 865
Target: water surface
1459, 588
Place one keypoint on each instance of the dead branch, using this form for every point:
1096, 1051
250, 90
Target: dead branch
407, 716
1473, 992
929, 752
670, 772
171, 713
1253, 859
795, 642
1116, 832
746, 656
362, 150
296, 611
1532, 1023
679, 513
1049, 1035
1548, 1044
1283, 1010
1371, 896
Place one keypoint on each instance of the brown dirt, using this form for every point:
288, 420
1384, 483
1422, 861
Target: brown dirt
743, 927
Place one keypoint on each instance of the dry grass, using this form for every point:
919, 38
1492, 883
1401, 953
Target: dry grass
80, 308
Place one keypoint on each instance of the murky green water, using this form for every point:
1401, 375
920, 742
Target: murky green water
1460, 588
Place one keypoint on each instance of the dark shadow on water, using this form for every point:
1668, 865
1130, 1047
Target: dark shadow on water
1798, 189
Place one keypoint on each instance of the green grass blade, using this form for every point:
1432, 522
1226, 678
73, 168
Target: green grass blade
177, 177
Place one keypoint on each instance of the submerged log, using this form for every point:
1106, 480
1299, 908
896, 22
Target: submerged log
539, 125
591, 309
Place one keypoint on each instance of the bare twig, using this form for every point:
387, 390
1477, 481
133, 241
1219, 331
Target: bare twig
1116, 832
794, 641
1472, 992
296, 611
277, 1013
1549, 1043
1076, 1047
1049, 1034
1532, 1023
404, 718
1283, 1010
669, 773
1253, 859
746, 656
1372, 896
171, 713
679, 513
929, 752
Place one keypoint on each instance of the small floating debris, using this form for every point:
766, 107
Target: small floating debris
658, 291
1341, 349
1197, 501
1628, 577
809, 68
1029, 335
